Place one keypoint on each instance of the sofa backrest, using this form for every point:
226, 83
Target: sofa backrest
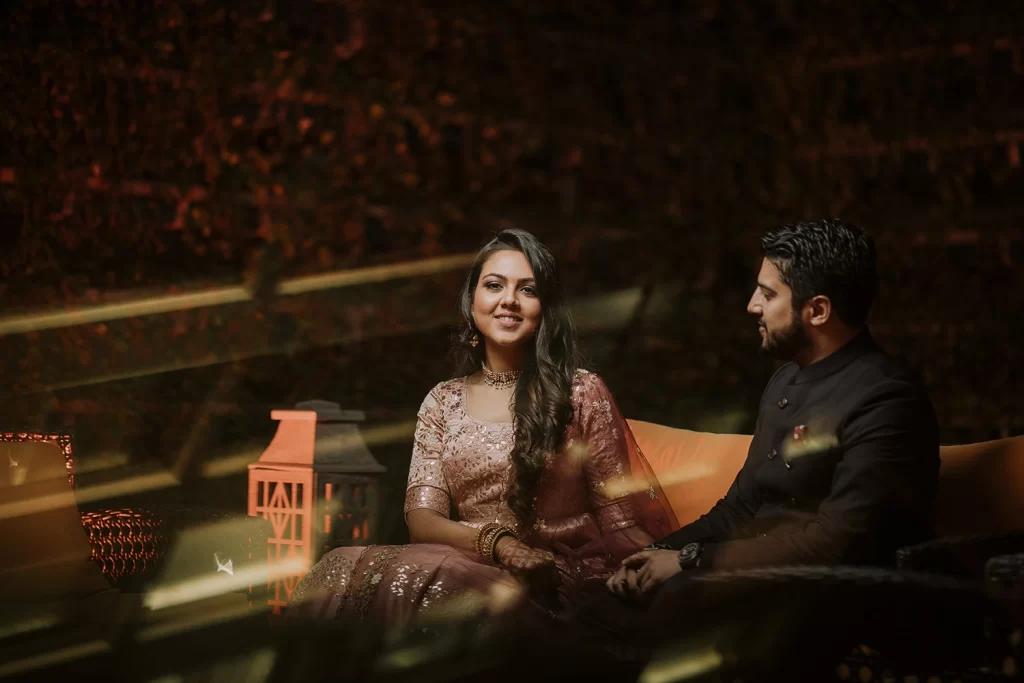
981, 485
694, 469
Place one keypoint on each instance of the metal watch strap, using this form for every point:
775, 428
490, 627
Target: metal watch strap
660, 545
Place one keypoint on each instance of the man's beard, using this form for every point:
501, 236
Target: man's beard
786, 343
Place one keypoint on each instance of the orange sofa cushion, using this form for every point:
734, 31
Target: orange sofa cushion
980, 484
981, 487
695, 469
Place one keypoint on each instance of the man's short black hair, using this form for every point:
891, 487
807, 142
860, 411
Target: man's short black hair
826, 257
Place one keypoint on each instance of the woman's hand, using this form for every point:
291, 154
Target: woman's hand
535, 568
623, 583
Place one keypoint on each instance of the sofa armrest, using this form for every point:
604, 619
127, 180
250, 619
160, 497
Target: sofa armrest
960, 556
1005, 568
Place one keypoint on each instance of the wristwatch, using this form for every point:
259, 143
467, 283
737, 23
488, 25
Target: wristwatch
689, 556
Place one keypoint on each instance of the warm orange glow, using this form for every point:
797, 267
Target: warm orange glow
281, 490
328, 495
284, 497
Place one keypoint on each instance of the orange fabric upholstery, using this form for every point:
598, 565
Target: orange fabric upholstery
695, 469
979, 484
980, 487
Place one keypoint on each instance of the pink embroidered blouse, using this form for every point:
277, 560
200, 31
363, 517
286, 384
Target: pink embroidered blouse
462, 463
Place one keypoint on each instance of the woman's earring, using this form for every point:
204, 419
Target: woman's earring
474, 340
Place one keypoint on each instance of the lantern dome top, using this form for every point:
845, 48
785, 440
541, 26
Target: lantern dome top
321, 434
328, 411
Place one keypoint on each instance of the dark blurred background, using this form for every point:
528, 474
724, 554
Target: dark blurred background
157, 149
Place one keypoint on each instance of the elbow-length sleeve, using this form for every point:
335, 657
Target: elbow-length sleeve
427, 487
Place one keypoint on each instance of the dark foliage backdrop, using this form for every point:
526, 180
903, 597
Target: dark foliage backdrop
153, 147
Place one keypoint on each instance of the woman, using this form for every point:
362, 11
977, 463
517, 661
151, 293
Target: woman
529, 452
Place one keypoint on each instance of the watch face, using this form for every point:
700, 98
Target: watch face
689, 552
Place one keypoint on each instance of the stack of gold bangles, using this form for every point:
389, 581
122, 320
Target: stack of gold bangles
487, 540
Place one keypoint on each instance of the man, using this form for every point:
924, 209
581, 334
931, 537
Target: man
844, 462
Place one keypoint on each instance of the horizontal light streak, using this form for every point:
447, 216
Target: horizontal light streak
683, 666
35, 322
599, 312
55, 657
376, 435
220, 583
141, 483
373, 436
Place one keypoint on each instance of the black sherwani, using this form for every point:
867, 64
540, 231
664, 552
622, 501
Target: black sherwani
842, 469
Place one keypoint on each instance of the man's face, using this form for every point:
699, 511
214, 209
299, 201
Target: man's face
782, 329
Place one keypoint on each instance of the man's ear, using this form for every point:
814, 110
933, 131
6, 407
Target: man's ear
818, 309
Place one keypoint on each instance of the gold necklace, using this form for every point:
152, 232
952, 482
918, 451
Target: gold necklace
500, 380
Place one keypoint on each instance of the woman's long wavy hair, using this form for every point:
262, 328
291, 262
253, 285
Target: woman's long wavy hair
542, 403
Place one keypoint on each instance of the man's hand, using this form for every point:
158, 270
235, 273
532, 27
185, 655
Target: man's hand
653, 568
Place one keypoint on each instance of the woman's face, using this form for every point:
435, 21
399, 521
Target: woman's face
506, 309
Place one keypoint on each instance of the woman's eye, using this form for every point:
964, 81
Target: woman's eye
532, 291
493, 286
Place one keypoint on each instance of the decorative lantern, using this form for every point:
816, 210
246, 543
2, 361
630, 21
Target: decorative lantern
347, 477
317, 484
